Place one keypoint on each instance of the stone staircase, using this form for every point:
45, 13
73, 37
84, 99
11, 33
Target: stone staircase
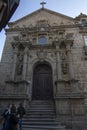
41, 115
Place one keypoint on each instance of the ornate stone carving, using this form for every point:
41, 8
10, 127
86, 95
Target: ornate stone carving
16, 38
64, 68
42, 25
19, 64
64, 59
69, 36
41, 54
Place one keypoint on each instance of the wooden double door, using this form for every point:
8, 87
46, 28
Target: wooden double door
42, 83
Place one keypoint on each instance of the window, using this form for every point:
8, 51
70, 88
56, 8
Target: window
84, 23
42, 40
85, 39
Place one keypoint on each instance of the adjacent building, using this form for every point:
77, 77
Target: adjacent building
7, 9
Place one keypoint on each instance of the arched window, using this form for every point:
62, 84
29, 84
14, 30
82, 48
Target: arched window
42, 40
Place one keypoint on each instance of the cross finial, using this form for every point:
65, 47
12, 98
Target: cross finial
43, 3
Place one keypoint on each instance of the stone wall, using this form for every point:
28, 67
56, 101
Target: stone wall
65, 51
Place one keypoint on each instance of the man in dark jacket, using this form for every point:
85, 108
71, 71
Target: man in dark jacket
5, 116
13, 108
13, 121
21, 113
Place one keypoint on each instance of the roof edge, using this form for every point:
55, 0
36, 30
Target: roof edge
35, 12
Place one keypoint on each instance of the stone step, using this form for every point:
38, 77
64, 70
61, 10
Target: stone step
42, 127
38, 109
41, 112
42, 101
41, 115
40, 123
41, 106
38, 119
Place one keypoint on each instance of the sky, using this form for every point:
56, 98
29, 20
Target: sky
70, 8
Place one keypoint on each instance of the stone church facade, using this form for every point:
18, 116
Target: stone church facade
45, 58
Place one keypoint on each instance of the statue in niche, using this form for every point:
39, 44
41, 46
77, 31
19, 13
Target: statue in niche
64, 68
20, 64
64, 62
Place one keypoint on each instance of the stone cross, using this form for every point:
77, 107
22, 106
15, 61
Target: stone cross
43, 3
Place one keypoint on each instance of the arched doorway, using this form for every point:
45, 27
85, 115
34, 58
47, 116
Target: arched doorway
42, 82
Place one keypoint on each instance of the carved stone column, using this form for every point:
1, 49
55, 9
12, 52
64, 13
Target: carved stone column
24, 64
71, 72
58, 62
14, 62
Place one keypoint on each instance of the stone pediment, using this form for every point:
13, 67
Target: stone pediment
43, 14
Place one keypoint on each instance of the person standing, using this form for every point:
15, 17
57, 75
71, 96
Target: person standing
5, 116
21, 113
13, 120
13, 109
